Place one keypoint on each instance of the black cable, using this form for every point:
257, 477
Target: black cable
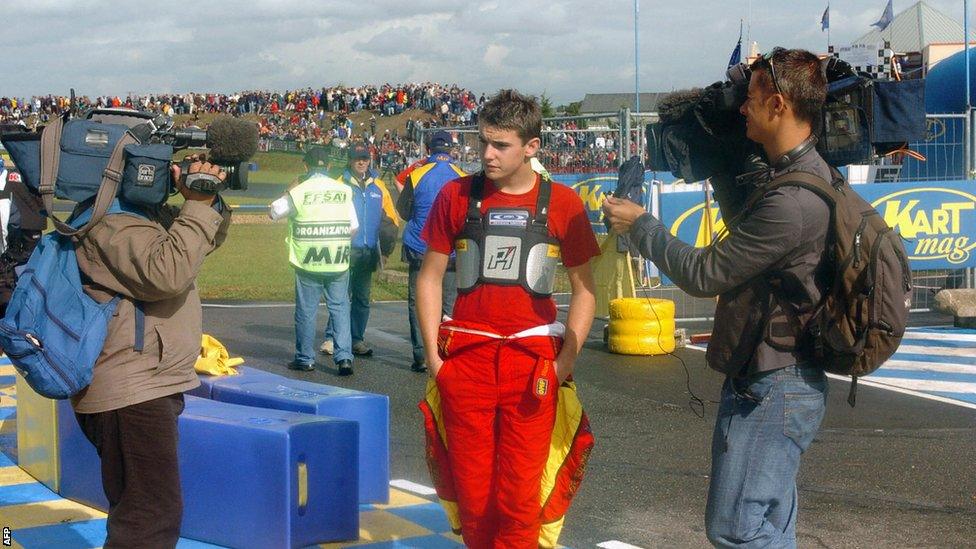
696, 404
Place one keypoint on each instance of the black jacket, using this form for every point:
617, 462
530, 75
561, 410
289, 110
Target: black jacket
780, 242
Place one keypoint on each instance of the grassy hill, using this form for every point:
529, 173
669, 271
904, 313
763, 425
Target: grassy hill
360, 119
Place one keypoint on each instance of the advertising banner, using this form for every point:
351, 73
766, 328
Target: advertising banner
591, 188
936, 219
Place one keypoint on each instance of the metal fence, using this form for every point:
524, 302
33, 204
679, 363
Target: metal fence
928, 283
946, 150
280, 145
598, 142
570, 144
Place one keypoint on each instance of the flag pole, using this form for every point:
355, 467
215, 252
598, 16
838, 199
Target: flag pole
965, 18
828, 26
636, 59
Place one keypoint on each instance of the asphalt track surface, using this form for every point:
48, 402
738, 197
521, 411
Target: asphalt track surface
895, 471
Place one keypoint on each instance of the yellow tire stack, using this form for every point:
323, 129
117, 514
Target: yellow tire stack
641, 326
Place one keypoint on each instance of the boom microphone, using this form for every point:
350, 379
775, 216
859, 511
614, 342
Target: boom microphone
232, 140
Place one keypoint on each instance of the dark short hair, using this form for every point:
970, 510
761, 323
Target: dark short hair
315, 157
510, 110
800, 77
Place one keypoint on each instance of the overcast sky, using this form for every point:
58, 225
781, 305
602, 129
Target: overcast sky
564, 48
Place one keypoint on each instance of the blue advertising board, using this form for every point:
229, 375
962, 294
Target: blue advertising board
937, 219
591, 188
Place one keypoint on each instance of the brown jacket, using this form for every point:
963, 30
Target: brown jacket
155, 262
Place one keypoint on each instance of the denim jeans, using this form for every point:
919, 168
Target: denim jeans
360, 288
448, 294
308, 290
765, 422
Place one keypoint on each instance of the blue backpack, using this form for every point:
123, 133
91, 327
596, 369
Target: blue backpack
53, 331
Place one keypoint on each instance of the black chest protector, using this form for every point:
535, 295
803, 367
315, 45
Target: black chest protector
507, 246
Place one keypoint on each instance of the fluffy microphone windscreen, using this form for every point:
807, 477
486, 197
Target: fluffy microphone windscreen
232, 139
675, 106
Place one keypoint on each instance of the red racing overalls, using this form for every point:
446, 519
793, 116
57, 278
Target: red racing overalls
506, 444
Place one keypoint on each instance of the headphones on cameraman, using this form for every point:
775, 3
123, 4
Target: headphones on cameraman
795, 153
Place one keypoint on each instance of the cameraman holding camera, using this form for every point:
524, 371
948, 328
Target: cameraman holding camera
769, 268
130, 410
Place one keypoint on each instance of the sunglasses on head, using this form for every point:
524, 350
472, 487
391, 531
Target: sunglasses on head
768, 58
741, 73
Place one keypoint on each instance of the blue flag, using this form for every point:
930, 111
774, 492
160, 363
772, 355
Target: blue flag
825, 19
736, 57
886, 18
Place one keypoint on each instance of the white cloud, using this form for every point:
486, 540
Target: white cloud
495, 55
565, 48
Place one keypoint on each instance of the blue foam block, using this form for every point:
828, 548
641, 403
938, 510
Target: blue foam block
243, 372
371, 411
79, 465
244, 472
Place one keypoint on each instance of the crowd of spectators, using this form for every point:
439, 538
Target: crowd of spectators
452, 105
568, 148
294, 120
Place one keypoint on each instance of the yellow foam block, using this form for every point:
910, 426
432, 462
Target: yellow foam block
453, 537
14, 475
7, 400
8, 426
7, 370
641, 326
55, 511
382, 526
37, 435
399, 498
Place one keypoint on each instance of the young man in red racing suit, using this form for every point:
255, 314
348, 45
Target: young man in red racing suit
502, 393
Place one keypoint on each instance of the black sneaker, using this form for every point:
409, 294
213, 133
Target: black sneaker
418, 367
301, 367
345, 367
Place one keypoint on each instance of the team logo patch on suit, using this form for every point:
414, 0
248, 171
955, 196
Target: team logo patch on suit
541, 387
508, 218
542, 373
502, 256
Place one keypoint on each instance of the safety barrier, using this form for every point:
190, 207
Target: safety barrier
641, 326
267, 478
370, 411
252, 476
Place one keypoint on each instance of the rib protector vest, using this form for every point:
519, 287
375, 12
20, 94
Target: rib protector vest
507, 246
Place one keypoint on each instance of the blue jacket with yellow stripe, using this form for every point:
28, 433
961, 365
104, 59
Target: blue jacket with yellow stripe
374, 210
426, 182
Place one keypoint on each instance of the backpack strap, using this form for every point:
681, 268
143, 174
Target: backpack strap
140, 330
50, 160
827, 191
542, 202
117, 206
813, 183
475, 198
